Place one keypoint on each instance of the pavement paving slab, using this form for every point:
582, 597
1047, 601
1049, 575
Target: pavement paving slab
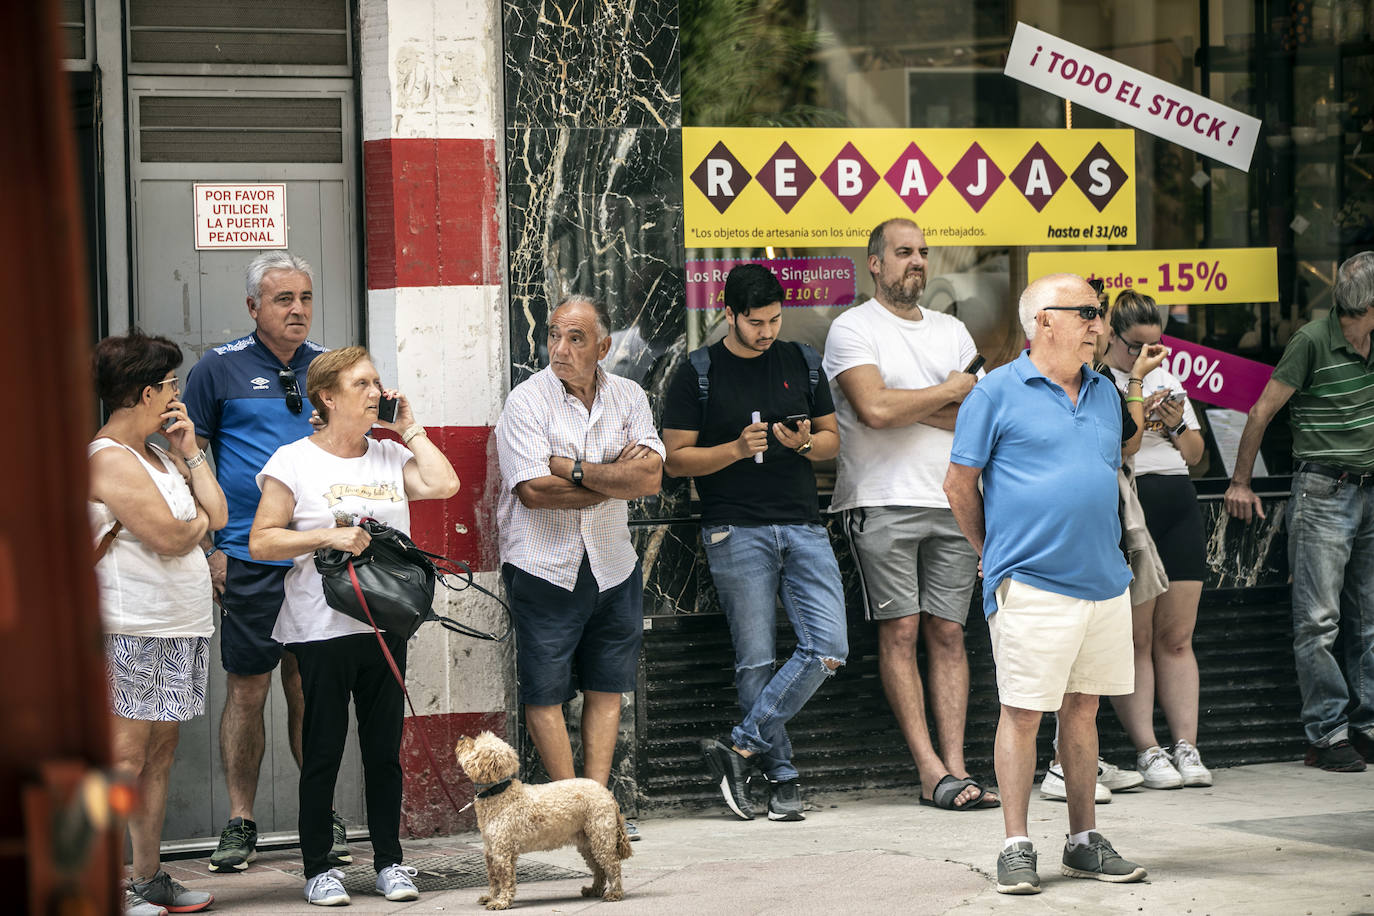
1269, 839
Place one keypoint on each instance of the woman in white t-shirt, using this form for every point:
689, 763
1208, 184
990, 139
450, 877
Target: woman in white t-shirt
155, 596
314, 492
1165, 666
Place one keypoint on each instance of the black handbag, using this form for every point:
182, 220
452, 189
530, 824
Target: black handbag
390, 585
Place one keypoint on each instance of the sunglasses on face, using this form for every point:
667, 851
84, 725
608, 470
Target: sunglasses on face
293, 392
1086, 312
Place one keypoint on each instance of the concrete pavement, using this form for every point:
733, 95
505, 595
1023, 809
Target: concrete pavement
1272, 838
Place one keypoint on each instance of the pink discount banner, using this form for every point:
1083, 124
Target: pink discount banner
1214, 377
805, 281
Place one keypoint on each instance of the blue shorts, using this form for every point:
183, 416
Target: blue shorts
253, 594
580, 640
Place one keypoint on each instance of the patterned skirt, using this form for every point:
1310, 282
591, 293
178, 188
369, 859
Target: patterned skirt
157, 679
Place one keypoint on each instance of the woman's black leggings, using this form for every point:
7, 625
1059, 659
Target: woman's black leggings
332, 670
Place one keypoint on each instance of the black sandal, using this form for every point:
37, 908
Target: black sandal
946, 793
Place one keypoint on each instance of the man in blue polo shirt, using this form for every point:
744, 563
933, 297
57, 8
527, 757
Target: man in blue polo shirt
247, 400
1044, 433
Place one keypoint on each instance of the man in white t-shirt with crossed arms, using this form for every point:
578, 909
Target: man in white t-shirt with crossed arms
897, 374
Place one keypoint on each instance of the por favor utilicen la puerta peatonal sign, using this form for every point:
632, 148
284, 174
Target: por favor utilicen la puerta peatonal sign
240, 215
1132, 96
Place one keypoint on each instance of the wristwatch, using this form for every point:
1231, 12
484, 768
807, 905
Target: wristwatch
1180, 429
804, 448
576, 475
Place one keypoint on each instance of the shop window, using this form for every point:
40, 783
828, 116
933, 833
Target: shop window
1305, 68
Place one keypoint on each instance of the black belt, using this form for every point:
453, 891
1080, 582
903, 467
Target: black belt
1358, 478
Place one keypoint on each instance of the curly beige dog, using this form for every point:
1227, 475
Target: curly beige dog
516, 818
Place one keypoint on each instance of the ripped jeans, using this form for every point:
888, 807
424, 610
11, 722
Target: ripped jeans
752, 568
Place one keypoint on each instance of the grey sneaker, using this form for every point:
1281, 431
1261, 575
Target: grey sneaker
1097, 859
785, 801
1016, 872
161, 890
730, 770
238, 845
338, 852
397, 882
134, 905
326, 889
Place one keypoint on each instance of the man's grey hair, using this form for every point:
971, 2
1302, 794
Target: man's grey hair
603, 320
1037, 297
1354, 289
877, 239
273, 260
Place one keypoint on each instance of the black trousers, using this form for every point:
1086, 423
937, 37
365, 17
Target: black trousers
332, 670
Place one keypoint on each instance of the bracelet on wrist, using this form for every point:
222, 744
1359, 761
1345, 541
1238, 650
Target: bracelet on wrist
195, 460
1140, 382
1135, 398
409, 434
1180, 429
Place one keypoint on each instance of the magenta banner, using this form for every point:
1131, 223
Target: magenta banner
805, 281
1214, 377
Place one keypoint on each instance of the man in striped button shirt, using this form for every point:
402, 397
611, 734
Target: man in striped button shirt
575, 443
1328, 374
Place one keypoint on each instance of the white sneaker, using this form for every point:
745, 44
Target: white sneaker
396, 882
1115, 778
326, 889
1157, 770
1052, 786
1188, 762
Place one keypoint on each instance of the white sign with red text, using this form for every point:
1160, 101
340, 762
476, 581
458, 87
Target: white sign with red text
240, 215
1132, 96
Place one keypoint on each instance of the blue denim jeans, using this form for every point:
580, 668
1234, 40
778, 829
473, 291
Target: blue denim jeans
752, 568
1331, 553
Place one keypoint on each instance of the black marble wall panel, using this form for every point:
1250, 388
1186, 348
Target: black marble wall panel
592, 63
594, 207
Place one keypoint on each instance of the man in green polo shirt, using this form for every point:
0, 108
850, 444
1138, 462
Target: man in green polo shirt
1327, 373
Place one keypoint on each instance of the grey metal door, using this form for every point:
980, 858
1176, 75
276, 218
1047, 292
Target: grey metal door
186, 131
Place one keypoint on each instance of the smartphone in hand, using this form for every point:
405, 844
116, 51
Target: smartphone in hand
973, 367
793, 422
386, 409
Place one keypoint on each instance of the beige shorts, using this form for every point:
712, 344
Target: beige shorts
1046, 645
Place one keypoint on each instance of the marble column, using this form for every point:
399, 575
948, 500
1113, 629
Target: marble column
594, 206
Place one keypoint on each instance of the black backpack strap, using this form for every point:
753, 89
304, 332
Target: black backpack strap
701, 361
813, 368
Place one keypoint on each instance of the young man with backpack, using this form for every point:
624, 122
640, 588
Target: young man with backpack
746, 417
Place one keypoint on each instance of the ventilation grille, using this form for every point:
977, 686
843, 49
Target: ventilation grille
216, 129
73, 26
300, 33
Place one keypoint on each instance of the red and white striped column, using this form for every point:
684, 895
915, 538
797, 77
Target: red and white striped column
431, 109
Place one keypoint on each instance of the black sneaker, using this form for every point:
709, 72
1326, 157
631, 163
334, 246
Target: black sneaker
1340, 757
730, 770
1363, 744
238, 845
1016, 872
338, 852
785, 801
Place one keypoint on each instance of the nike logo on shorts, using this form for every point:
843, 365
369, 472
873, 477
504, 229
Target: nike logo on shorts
886, 603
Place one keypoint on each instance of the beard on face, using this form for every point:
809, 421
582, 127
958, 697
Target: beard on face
902, 294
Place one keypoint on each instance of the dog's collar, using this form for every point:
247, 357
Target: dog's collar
488, 789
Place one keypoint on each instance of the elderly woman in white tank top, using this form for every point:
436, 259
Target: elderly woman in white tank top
149, 510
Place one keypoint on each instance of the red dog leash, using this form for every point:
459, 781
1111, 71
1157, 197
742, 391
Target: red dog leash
396, 673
